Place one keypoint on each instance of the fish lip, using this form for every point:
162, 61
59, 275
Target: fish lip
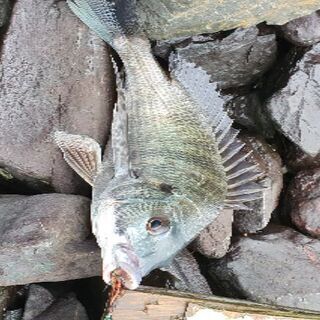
125, 265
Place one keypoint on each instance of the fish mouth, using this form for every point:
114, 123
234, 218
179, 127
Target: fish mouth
124, 265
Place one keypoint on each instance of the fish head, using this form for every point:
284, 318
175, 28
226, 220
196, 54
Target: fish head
139, 234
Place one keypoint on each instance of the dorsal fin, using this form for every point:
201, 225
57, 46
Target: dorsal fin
241, 174
83, 154
119, 134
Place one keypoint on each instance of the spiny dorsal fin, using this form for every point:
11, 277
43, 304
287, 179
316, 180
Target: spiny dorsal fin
83, 154
240, 173
119, 134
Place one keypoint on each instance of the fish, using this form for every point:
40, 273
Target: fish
173, 161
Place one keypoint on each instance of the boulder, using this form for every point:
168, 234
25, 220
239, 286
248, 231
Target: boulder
4, 12
270, 165
295, 107
302, 202
165, 19
56, 74
251, 56
45, 238
303, 31
278, 266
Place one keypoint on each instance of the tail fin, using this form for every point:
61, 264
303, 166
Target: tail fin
108, 18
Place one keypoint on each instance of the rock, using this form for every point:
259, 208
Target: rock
4, 12
186, 272
297, 160
303, 31
7, 295
14, 314
278, 266
64, 308
214, 241
295, 107
247, 110
45, 238
165, 19
302, 202
251, 56
39, 299
270, 165
65, 83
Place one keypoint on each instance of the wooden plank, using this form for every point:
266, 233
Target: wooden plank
148, 303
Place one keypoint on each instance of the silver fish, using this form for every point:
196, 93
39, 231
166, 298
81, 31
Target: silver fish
173, 162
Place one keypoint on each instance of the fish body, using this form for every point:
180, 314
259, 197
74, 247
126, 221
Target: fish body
172, 165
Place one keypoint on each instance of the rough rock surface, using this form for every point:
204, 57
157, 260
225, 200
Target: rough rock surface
270, 165
297, 160
186, 272
4, 12
303, 31
65, 83
295, 107
247, 109
165, 19
303, 201
39, 299
214, 241
44, 238
251, 56
278, 266
6, 297
64, 308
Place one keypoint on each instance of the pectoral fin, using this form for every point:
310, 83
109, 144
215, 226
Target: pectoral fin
83, 154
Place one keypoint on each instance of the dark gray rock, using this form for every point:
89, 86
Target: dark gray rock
4, 12
39, 299
248, 110
303, 31
7, 295
165, 19
14, 314
64, 308
236, 60
62, 83
44, 238
214, 241
297, 160
270, 165
185, 269
302, 202
295, 108
278, 266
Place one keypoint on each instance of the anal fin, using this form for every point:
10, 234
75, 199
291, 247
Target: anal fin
83, 154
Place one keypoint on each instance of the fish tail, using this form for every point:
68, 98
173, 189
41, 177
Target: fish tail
109, 19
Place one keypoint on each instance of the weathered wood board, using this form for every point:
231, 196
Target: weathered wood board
159, 304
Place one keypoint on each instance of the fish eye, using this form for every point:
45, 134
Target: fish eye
158, 225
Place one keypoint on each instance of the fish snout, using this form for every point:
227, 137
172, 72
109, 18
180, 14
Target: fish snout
124, 264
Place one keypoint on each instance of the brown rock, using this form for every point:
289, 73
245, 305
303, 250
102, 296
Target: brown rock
270, 165
56, 74
45, 238
214, 241
303, 202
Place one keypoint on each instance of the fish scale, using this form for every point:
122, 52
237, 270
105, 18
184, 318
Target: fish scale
175, 160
